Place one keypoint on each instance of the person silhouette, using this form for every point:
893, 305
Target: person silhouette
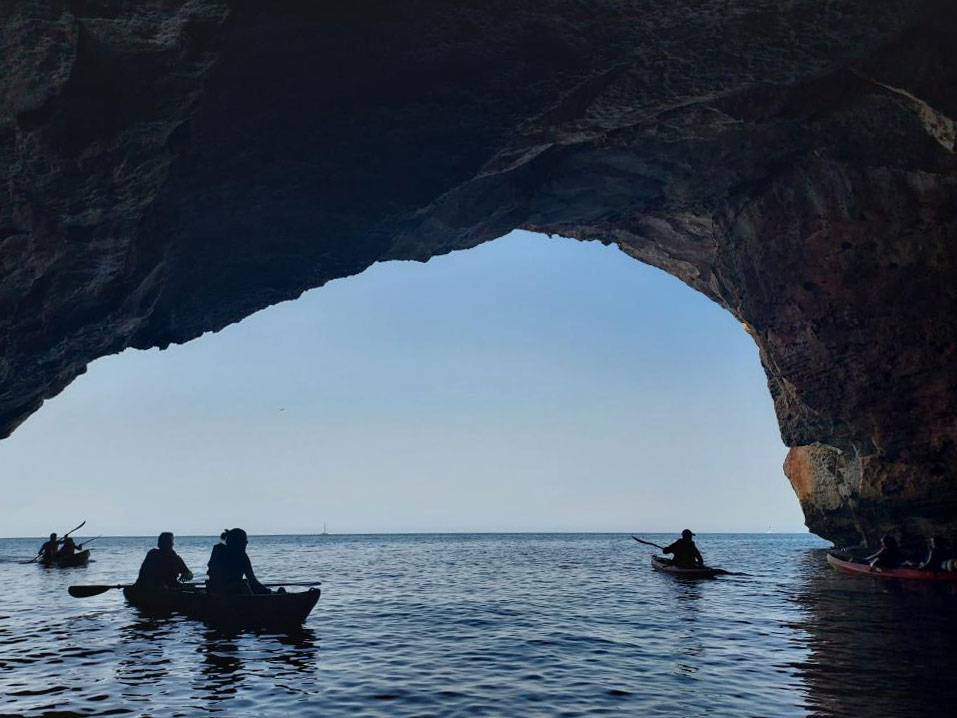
48, 550
686, 554
163, 568
68, 549
887, 556
229, 567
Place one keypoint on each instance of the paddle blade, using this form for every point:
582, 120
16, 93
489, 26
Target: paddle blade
87, 591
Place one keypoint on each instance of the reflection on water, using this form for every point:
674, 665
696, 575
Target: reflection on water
475, 626
877, 647
222, 668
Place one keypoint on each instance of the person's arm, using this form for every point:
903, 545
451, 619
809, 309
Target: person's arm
670, 548
697, 557
931, 562
253, 581
182, 570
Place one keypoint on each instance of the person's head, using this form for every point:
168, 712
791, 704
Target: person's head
888, 541
686, 534
165, 541
53, 537
236, 538
68, 541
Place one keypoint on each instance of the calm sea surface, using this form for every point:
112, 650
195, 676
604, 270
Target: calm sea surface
487, 625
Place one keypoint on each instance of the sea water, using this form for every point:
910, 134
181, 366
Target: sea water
487, 625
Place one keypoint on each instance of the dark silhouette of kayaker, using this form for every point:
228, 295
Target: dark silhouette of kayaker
48, 550
686, 554
938, 551
163, 568
67, 550
887, 556
230, 570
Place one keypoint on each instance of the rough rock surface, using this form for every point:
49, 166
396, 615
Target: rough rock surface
171, 166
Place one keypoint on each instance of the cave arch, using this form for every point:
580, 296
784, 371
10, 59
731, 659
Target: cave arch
172, 168
525, 385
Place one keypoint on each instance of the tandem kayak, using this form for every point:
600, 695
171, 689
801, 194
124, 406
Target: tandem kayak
80, 558
664, 565
855, 568
273, 610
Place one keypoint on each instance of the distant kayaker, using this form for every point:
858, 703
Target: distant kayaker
67, 550
938, 551
230, 570
162, 567
887, 556
686, 554
48, 550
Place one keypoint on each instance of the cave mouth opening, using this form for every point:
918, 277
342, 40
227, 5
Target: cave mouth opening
528, 384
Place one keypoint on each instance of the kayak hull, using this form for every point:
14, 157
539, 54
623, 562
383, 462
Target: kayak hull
853, 568
275, 610
80, 558
664, 565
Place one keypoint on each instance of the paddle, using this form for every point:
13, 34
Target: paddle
81, 545
72, 530
40, 552
648, 543
96, 590
717, 571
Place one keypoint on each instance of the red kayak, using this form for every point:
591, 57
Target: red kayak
856, 568
664, 565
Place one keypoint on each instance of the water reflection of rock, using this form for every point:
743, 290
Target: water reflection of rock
876, 647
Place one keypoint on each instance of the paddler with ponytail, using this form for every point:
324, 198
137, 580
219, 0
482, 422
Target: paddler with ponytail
230, 570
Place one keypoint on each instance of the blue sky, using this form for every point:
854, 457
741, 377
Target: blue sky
530, 384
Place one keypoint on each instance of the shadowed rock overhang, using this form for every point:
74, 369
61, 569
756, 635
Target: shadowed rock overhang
171, 167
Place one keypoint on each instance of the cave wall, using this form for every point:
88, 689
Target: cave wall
172, 166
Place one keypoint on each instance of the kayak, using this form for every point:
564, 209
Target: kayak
855, 568
273, 610
80, 558
664, 565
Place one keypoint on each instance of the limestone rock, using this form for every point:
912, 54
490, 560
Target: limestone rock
171, 166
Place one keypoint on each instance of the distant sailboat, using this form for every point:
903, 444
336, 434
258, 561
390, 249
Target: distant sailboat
324, 532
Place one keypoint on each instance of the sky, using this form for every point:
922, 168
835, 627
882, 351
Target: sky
529, 384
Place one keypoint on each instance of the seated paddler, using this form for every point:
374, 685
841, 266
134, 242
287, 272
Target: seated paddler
938, 551
887, 556
230, 570
49, 549
686, 554
163, 568
68, 549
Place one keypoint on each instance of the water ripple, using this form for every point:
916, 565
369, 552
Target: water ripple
487, 626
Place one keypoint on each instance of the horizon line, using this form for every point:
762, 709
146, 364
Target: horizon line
459, 533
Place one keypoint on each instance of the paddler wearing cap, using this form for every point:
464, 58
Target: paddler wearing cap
686, 554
